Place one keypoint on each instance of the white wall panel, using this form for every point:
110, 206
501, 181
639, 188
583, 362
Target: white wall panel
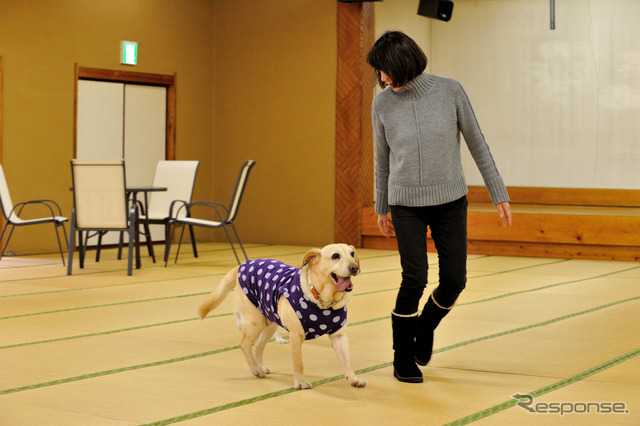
559, 108
99, 122
145, 137
145, 131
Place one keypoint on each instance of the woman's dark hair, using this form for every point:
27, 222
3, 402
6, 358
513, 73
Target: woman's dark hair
398, 56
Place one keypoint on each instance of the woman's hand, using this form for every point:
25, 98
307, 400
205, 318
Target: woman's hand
504, 210
385, 225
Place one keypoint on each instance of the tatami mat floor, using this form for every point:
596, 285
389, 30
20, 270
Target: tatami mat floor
102, 348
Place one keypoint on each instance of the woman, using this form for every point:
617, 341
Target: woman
417, 122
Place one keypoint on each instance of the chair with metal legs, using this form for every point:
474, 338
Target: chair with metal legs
182, 214
100, 205
12, 214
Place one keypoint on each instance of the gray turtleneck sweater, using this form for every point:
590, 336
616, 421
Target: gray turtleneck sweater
417, 145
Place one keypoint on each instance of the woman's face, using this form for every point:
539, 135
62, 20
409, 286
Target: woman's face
386, 80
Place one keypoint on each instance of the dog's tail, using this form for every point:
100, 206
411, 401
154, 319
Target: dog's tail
218, 295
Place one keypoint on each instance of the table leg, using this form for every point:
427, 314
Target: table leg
147, 231
136, 237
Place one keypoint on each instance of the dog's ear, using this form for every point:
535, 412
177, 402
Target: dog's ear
355, 255
311, 256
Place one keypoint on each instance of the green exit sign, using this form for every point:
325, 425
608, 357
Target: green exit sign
128, 52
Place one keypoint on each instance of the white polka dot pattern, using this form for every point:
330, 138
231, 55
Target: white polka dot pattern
264, 280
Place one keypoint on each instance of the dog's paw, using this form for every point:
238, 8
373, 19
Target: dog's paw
357, 382
259, 372
301, 383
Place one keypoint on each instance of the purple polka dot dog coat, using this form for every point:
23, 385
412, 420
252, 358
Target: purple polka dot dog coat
263, 281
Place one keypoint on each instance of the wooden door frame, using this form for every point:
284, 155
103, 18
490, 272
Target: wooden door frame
354, 135
131, 77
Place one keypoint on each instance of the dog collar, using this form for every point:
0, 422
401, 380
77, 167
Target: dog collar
316, 294
312, 288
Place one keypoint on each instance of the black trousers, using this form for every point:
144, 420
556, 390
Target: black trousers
448, 224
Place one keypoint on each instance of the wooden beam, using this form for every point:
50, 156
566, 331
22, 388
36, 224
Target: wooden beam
125, 76
354, 139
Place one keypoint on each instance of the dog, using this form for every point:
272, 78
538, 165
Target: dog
278, 337
309, 302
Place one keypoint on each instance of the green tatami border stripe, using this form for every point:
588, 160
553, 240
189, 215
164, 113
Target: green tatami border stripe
38, 265
248, 401
41, 265
80, 308
56, 262
372, 368
579, 280
197, 276
550, 388
107, 286
107, 332
198, 261
115, 371
207, 292
179, 296
359, 294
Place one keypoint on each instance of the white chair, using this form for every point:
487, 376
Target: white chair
99, 205
179, 178
12, 212
183, 214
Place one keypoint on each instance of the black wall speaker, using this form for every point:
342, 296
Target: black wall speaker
437, 9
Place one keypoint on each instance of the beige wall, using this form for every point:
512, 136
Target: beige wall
274, 80
254, 80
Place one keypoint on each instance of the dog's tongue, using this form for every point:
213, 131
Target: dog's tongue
343, 283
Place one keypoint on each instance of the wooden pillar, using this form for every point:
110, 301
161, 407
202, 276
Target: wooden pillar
1, 90
354, 136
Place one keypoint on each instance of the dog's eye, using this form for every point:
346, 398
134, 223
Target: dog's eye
335, 256
352, 254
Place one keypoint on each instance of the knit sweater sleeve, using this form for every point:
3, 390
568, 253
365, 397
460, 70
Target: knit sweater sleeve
382, 163
479, 148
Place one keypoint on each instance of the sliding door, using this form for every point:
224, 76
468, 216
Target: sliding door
100, 126
144, 131
122, 120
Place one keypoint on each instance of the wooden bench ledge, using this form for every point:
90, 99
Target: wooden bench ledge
547, 222
557, 209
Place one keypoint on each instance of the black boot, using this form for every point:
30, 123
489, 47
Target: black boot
404, 333
431, 316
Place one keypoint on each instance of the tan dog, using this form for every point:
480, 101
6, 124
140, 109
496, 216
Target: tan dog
309, 302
